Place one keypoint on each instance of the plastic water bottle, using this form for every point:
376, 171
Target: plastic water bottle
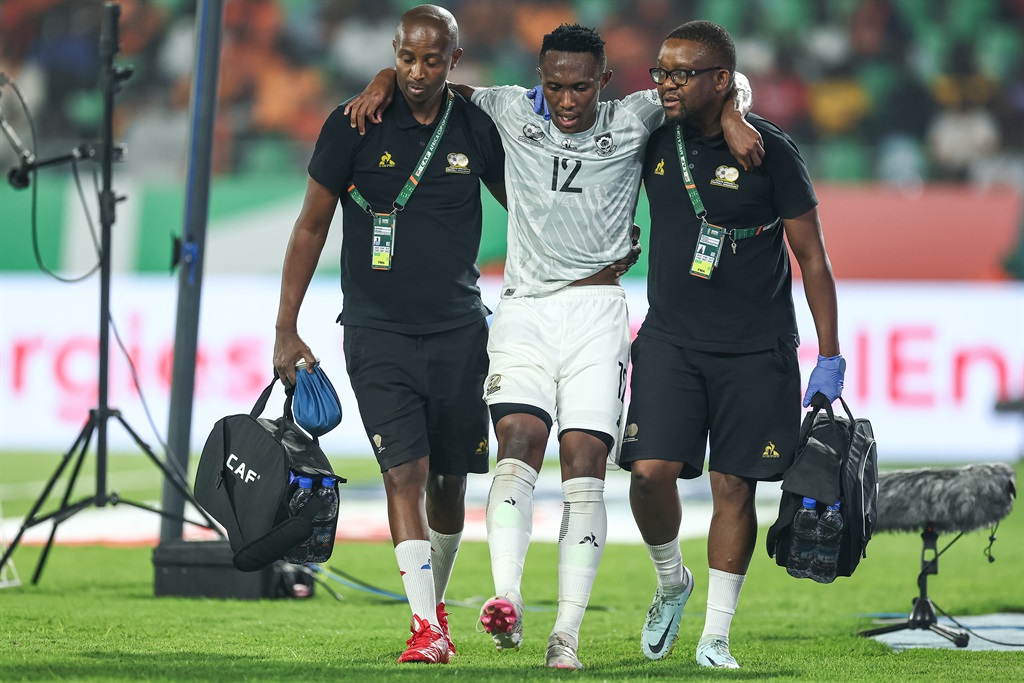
803, 546
323, 524
301, 495
329, 497
300, 553
830, 530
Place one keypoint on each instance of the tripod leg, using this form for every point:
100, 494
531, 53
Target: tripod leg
149, 508
66, 510
81, 441
959, 638
172, 476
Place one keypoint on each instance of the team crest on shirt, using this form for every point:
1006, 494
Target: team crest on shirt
726, 176
493, 385
386, 161
531, 134
660, 168
457, 163
605, 144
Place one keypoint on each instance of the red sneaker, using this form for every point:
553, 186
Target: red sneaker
427, 644
442, 618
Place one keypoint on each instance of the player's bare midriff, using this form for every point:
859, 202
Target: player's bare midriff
605, 276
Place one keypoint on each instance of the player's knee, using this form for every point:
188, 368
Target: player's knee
583, 453
446, 488
731, 491
521, 436
408, 477
648, 477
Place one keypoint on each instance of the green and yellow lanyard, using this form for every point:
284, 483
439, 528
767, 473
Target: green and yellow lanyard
709, 242
383, 248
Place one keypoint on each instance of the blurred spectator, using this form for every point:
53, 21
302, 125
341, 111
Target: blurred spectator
838, 102
964, 132
782, 95
632, 36
899, 90
900, 115
876, 31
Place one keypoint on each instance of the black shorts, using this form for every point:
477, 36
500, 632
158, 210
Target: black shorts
421, 395
749, 403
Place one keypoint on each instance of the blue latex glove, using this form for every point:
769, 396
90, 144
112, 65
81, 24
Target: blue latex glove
540, 105
826, 377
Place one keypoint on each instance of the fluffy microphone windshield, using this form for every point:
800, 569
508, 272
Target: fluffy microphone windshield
952, 499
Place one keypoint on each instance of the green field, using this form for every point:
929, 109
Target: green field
93, 616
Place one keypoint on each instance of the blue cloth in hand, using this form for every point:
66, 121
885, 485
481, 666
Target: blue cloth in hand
540, 105
827, 378
316, 407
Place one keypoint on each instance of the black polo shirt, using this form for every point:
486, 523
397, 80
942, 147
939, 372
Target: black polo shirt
432, 284
747, 305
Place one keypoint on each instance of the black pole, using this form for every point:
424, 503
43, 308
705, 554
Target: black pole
190, 274
97, 422
110, 45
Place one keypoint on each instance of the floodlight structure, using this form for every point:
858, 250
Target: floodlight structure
111, 78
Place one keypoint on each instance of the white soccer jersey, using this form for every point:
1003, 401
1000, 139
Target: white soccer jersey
571, 197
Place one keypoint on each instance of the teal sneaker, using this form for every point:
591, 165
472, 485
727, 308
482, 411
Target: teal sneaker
713, 651
661, 629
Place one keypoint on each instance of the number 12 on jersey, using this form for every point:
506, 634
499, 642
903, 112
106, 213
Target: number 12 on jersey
567, 168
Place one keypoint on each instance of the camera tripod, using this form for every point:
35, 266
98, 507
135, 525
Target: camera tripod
99, 416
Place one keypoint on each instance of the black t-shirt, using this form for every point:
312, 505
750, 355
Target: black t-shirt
432, 284
747, 305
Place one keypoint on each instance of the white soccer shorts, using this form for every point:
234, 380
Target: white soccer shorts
566, 353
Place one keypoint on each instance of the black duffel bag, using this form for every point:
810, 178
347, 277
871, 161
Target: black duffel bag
246, 478
836, 458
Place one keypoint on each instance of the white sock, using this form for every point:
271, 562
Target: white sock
510, 523
580, 546
443, 549
668, 565
723, 596
414, 564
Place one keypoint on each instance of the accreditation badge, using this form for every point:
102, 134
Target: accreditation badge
383, 241
708, 251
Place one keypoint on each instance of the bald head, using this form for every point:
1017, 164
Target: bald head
426, 50
429, 18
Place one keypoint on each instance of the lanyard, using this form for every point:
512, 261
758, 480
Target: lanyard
417, 173
698, 206
691, 187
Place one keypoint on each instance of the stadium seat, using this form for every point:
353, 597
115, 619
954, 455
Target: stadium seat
843, 159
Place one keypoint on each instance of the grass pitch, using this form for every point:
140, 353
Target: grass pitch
93, 617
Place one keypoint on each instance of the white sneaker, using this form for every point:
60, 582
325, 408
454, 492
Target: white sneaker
561, 652
502, 617
713, 651
661, 629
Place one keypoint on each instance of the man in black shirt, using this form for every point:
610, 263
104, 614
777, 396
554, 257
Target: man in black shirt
717, 353
415, 334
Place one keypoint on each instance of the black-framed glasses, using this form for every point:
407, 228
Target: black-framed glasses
679, 76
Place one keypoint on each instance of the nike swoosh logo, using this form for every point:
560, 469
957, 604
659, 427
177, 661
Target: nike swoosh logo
656, 648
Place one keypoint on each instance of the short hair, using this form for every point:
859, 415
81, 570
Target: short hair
575, 38
714, 41
438, 16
